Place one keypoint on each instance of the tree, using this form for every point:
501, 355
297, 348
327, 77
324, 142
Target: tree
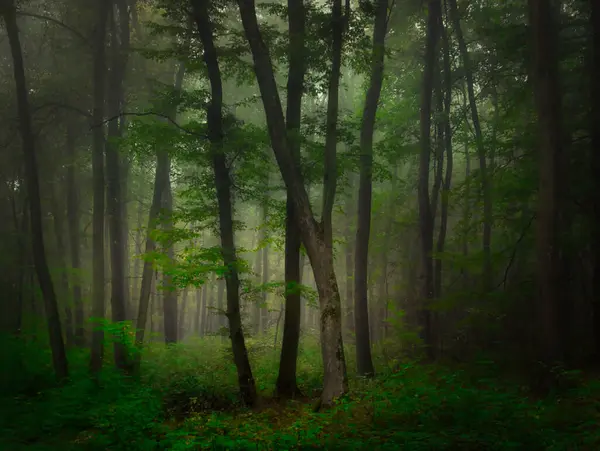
364, 360
286, 381
483, 169
59, 358
550, 223
425, 214
98, 270
223, 186
319, 253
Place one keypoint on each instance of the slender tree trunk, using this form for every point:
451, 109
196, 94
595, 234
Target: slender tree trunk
264, 308
220, 310
182, 315
114, 194
63, 284
257, 269
199, 294
364, 361
330, 161
203, 309
223, 188
98, 270
59, 358
447, 85
550, 226
135, 284
74, 237
287, 385
170, 294
335, 382
485, 180
161, 185
349, 265
425, 216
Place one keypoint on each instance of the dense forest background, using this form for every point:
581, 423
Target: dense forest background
299, 225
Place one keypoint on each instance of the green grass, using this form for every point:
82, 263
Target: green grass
186, 399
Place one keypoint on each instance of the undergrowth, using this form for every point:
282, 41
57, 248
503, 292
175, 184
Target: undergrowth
186, 399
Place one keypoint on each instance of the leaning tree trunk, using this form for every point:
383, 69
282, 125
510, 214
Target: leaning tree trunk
287, 385
425, 215
98, 270
59, 358
223, 187
335, 382
483, 169
364, 361
550, 223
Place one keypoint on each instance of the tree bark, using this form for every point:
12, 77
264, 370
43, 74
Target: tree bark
59, 358
483, 171
319, 253
550, 226
425, 216
223, 188
364, 361
264, 308
287, 385
182, 315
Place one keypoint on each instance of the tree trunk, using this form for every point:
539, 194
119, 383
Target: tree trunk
485, 179
98, 270
349, 266
202, 330
257, 269
264, 308
330, 162
135, 284
63, 291
161, 185
119, 39
287, 385
335, 382
74, 236
550, 225
364, 361
447, 87
425, 216
595, 170
170, 294
59, 358
182, 315
223, 188
199, 294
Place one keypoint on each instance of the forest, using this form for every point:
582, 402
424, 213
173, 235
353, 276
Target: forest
299, 225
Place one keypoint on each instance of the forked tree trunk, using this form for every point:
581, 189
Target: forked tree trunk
364, 361
335, 382
223, 188
287, 385
59, 358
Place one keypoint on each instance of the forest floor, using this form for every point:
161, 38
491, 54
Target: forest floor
186, 400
